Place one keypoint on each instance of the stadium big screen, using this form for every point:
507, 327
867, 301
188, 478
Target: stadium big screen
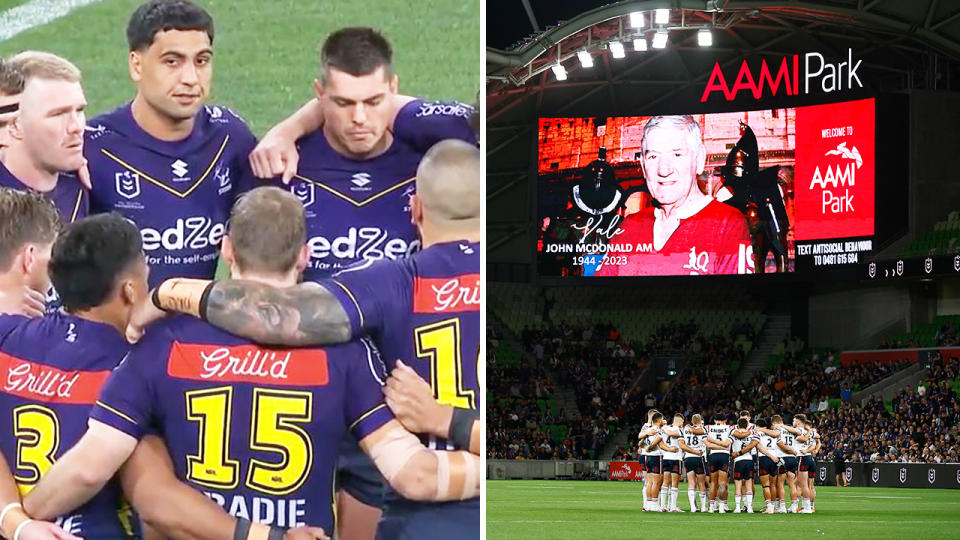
775, 190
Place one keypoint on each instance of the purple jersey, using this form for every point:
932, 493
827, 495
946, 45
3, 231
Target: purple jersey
179, 193
69, 196
53, 369
359, 209
258, 430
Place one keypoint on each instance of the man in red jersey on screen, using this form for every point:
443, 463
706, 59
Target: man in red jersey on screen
685, 232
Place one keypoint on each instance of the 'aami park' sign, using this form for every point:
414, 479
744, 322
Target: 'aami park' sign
794, 75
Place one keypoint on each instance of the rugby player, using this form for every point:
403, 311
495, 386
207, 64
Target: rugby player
361, 142
28, 225
665, 442
295, 402
745, 443
653, 463
694, 461
167, 161
768, 464
44, 137
751, 428
99, 267
675, 436
11, 85
643, 453
805, 443
411, 307
718, 442
782, 449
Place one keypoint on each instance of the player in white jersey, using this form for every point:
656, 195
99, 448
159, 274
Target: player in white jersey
673, 446
695, 463
792, 464
653, 461
718, 442
782, 450
746, 442
768, 464
642, 438
751, 429
805, 443
812, 463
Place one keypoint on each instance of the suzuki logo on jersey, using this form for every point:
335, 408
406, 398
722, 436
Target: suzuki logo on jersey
407, 196
465, 249
360, 180
446, 295
196, 232
128, 184
362, 243
179, 169
71, 334
305, 192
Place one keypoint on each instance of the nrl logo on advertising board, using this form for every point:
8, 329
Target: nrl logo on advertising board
903, 475
876, 475
931, 475
956, 263
899, 268
823, 474
849, 474
872, 270
928, 265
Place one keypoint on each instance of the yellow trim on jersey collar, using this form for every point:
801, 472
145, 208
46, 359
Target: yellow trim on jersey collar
165, 187
76, 205
348, 199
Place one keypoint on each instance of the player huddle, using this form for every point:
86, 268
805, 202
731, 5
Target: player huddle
259, 406
782, 456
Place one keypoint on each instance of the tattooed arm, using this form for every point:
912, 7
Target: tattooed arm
306, 314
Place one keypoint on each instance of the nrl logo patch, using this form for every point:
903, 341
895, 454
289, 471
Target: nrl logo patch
128, 184
903, 475
876, 475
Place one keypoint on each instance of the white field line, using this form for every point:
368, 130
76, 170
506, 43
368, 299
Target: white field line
35, 13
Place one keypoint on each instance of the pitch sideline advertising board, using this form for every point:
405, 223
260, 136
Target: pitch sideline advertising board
892, 475
808, 204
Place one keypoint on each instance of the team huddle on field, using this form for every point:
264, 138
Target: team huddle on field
329, 386
782, 456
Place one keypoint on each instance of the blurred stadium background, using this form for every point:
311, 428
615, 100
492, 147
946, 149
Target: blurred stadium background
870, 351
267, 53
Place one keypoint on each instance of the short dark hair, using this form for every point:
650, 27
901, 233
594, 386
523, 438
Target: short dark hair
267, 228
656, 417
162, 15
745, 413
763, 422
356, 50
742, 422
11, 78
25, 218
90, 256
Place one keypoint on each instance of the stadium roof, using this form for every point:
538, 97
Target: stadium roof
904, 45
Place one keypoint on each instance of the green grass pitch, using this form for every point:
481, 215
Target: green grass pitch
611, 510
266, 52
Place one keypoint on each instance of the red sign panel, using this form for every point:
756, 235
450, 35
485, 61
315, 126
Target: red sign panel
48, 384
834, 178
447, 295
248, 364
625, 470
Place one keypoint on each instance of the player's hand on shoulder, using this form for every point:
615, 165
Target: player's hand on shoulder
23, 301
143, 314
83, 174
275, 155
412, 402
306, 533
44, 530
